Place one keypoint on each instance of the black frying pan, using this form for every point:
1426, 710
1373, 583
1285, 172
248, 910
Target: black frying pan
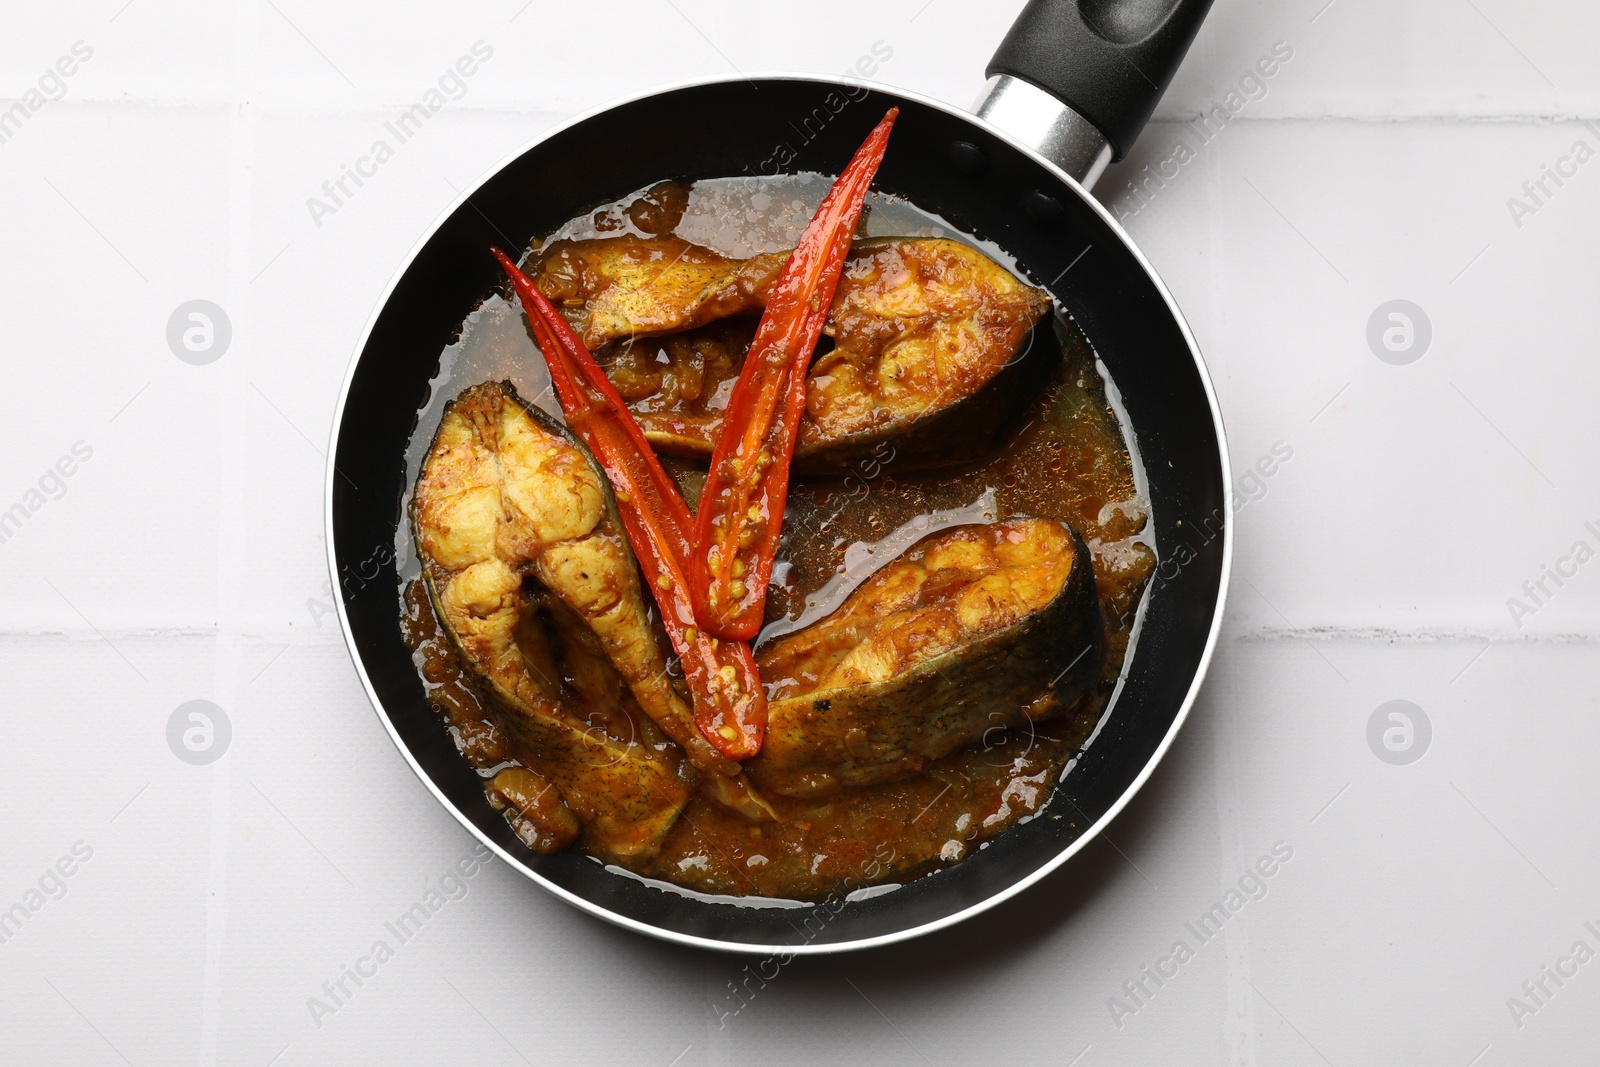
1017, 176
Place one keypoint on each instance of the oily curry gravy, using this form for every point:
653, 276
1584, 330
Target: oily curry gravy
1060, 457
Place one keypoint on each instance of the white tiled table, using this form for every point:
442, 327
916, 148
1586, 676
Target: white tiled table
184, 559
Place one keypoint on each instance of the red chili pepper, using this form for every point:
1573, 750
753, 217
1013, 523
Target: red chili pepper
730, 706
741, 507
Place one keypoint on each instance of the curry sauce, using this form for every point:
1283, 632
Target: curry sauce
1061, 456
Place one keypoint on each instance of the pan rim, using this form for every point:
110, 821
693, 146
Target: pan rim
599, 911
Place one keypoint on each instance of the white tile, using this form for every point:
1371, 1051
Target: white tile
1375, 60
1376, 563
1418, 496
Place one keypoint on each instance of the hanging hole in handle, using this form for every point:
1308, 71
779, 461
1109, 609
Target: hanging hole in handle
1125, 22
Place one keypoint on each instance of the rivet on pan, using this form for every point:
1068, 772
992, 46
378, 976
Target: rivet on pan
968, 158
1045, 209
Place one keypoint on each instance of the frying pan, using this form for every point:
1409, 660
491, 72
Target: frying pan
1070, 87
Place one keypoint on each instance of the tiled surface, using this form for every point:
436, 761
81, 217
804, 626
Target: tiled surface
184, 558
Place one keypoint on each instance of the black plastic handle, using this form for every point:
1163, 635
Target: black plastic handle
1109, 60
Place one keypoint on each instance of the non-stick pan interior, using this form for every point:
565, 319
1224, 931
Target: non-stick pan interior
943, 162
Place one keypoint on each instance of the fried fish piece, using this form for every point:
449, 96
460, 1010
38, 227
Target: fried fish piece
954, 640
923, 329
619, 287
924, 333
510, 511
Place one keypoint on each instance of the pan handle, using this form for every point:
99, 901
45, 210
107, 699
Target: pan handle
1078, 79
